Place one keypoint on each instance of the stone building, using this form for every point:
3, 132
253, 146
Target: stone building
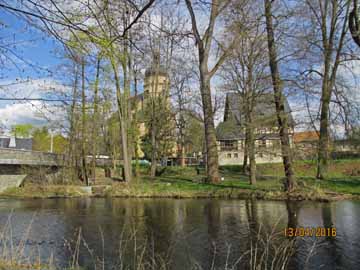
231, 132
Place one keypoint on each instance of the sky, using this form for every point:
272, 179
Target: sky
31, 73
26, 72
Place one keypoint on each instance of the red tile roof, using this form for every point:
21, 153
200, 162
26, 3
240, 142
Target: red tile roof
305, 136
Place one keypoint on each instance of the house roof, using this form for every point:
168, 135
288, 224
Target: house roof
20, 143
305, 136
264, 108
4, 142
229, 130
234, 117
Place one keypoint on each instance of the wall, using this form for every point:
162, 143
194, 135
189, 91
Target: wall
270, 154
9, 181
25, 157
266, 158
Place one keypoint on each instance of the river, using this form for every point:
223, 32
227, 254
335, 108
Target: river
184, 233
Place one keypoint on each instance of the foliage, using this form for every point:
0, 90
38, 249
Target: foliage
22, 130
42, 141
194, 135
159, 119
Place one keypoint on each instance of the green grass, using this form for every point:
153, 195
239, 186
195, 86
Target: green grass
186, 183
43, 191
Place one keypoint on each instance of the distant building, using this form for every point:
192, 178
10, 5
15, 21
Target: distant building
231, 132
346, 148
156, 85
16, 143
306, 144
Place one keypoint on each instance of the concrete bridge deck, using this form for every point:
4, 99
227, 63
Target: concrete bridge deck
10, 156
16, 165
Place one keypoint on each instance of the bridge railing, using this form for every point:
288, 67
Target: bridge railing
28, 157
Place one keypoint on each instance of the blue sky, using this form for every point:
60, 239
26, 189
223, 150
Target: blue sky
31, 44
26, 72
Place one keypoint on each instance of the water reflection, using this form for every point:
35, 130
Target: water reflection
185, 232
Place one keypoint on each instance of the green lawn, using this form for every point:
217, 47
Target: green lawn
270, 177
186, 183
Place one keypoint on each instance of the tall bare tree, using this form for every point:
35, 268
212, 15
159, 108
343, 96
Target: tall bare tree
281, 115
330, 20
204, 44
245, 73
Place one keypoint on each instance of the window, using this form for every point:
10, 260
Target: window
236, 155
228, 145
263, 143
228, 155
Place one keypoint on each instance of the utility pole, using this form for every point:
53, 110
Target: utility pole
51, 142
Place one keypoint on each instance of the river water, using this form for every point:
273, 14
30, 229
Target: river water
183, 233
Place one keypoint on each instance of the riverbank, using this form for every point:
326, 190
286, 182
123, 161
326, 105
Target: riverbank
177, 182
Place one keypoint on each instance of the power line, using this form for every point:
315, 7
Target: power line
38, 99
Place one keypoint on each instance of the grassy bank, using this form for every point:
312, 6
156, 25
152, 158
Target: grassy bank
185, 183
176, 182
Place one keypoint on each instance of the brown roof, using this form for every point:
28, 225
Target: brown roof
305, 136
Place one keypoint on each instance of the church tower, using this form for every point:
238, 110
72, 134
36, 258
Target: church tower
156, 82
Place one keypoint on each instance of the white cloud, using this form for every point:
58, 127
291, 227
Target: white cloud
37, 88
36, 112
20, 113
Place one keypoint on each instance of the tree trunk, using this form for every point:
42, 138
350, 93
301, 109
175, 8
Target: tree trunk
114, 156
83, 124
122, 112
251, 147
125, 152
182, 139
204, 45
126, 65
154, 125
205, 156
246, 148
136, 131
153, 151
72, 155
323, 151
95, 118
182, 154
329, 78
210, 135
279, 100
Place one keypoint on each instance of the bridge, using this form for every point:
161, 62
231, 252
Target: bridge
10, 156
16, 165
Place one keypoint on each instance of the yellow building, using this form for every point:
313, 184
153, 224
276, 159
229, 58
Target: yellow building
156, 87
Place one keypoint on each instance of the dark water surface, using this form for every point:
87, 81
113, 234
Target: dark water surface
184, 232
